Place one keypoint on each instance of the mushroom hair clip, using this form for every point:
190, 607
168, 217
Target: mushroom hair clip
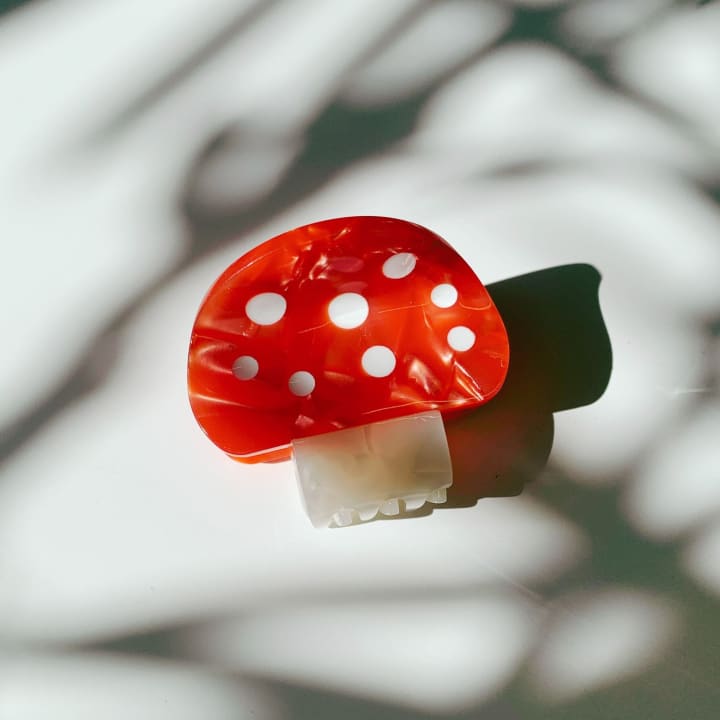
342, 345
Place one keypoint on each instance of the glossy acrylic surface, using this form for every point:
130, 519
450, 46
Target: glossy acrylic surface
339, 324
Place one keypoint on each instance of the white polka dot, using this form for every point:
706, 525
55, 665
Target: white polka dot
301, 383
399, 266
461, 338
378, 361
266, 308
444, 295
348, 310
245, 367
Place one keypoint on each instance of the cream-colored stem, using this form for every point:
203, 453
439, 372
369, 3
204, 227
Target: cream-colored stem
388, 467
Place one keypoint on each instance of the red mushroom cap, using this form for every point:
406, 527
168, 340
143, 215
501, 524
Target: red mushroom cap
338, 324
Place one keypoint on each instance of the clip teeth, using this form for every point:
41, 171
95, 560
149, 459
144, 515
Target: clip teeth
390, 508
368, 512
438, 496
414, 502
343, 517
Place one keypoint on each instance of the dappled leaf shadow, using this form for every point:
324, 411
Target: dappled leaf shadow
561, 358
7, 6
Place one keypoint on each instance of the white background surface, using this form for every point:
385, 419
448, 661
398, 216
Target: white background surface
144, 146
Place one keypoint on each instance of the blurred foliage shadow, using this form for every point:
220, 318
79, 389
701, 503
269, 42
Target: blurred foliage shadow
322, 152
561, 358
7, 5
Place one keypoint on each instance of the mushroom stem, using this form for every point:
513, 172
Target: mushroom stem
387, 467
